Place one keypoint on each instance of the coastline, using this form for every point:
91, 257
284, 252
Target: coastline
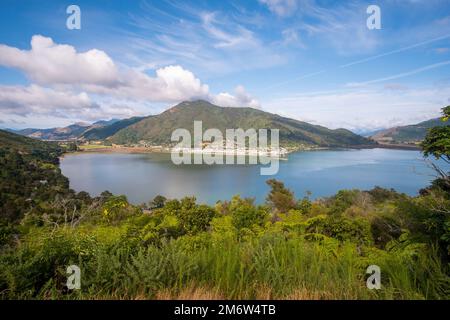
399, 146
165, 150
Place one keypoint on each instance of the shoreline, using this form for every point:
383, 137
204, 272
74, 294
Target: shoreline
398, 147
144, 150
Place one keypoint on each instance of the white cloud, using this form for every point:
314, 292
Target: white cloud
212, 42
241, 38
240, 99
400, 75
50, 63
35, 100
69, 75
171, 84
53, 64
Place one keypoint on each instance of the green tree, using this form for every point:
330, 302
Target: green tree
437, 144
437, 140
194, 218
432, 216
72, 147
244, 214
280, 198
115, 208
304, 205
158, 202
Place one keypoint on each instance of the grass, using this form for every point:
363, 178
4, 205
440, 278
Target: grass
265, 268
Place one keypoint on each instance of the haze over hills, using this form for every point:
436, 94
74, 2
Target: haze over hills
158, 129
410, 134
71, 132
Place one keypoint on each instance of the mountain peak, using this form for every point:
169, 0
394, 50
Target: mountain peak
158, 129
191, 104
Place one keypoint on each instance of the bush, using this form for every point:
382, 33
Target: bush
343, 229
244, 215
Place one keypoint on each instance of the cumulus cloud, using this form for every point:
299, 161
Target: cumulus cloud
50, 63
47, 63
240, 99
170, 84
62, 67
37, 100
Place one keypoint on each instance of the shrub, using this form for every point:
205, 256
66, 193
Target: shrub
244, 215
343, 229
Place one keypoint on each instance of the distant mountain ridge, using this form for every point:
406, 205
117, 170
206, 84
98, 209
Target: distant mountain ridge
157, 130
71, 132
410, 134
101, 133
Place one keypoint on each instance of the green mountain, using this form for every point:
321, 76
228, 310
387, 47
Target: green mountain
101, 133
158, 129
410, 134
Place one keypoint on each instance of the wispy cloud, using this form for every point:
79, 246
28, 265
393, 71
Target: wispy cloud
341, 26
281, 8
382, 55
401, 75
211, 42
364, 109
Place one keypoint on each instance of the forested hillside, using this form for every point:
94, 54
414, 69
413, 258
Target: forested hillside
407, 134
158, 129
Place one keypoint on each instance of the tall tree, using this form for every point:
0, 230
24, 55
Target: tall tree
437, 140
437, 144
280, 198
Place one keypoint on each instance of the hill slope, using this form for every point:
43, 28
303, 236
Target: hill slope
410, 134
71, 132
158, 129
28, 146
100, 133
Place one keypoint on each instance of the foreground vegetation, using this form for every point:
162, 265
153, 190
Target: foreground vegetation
287, 248
233, 250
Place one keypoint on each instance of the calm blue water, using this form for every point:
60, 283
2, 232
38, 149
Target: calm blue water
143, 176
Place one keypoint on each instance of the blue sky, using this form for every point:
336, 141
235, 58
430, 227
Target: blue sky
310, 60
